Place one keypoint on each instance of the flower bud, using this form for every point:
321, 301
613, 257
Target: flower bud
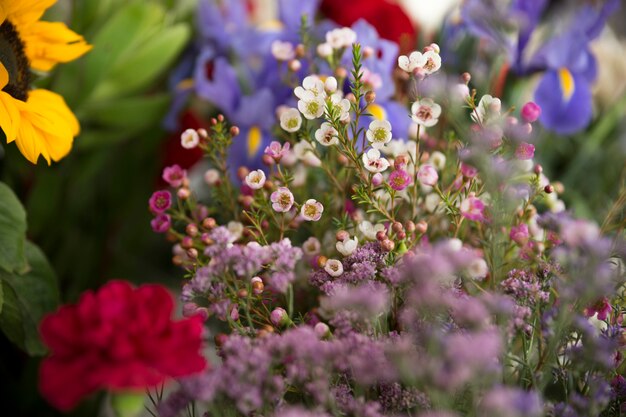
267, 160
242, 173
209, 223
220, 118
300, 50
206, 239
370, 97
421, 227
397, 227
538, 169
342, 235
203, 133
242, 293
548, 189
321, 261
400, 161
234, 313
257, 285
186, 243
377, 179
410, 226
191, 230
279, 317
530, 112
330, 85
387, 245
183, 193
341, 73
295, 65
177, 260
466, 77
192, 253
558, 187
368, 51
343, 160
234, 131
381, 235
322, 330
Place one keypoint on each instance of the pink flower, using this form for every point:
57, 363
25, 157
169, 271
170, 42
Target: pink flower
519, 234
399, 179
116, 338
276, 150
472, 208
279, 317
161, 223
427, 175
525, 151
160, 201
468, 171
282, 200
531, 112
174, 175
602, 307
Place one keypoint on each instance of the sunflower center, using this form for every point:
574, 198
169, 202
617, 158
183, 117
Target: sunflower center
14, 59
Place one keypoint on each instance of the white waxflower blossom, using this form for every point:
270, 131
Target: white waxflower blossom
283, 51
312, 210
189, 139
411, 62
311, 247
340, 38
369, 230
374, 162
477, 269
341, 106
438, 160
211, 176
425, 112
324, 50
334, 267
312, 84
433, 62
379, 133
487, 110
290, 120
304, 151
311, 106
255, 179
235, 229
327, 135
347, 247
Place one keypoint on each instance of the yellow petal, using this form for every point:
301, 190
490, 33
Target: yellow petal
9, 116
47, 127
48, 43
24, 12
4, 76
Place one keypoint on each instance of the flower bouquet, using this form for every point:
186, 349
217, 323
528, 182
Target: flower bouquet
366, 235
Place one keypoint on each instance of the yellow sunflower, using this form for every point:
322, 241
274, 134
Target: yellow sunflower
39, 121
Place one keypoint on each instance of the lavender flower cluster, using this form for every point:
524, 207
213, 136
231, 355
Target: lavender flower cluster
368, 267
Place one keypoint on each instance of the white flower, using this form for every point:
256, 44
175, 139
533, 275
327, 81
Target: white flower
324, 50
488, 109
425, 112
374, 162
290, 120
312, 84
433, 62
282, 200
255, 179
379, 133
478, 269
330, 85
341, 106
312, 210
311, 247
311, 106
327, 135
333, 267
412, 62
235, 229
369, 230
340, 38
211, 176
189, 139
347, 247
427, 175
304, 151
438, 160
283, 51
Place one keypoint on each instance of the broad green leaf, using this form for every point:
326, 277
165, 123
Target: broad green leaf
133, 112
27, 297
12, 231
147, 62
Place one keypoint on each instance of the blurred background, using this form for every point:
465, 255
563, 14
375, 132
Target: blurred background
89, 212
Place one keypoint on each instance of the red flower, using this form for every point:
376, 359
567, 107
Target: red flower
117, 338
389, 19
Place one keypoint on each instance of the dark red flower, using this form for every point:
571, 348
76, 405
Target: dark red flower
116, 338
389, 19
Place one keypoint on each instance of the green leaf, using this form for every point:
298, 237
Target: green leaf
147, 62
133, 112
1, 298
12, 231
27, 297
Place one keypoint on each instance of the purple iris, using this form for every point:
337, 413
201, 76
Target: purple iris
568, 66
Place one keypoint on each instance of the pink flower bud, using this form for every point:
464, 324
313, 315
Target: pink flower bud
531, 112
377, 179
279, 317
